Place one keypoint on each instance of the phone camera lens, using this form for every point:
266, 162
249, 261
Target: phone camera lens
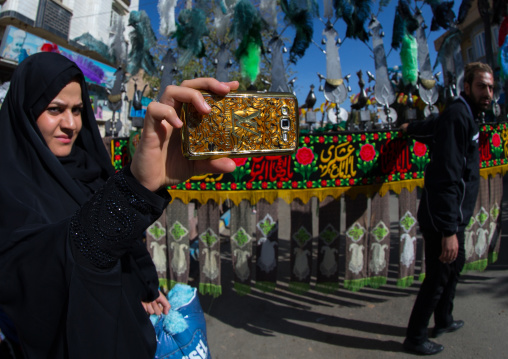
284, 124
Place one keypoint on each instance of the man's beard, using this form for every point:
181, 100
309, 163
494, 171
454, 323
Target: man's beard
481, 102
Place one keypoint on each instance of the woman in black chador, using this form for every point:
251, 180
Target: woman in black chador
73, 268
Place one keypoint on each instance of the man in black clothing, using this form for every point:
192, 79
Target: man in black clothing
447, 204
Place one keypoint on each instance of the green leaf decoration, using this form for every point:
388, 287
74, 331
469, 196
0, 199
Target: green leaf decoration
209, 237
482, 216
329, 234
407, 221
241, 237
156, 230
356, 232
178, 231
267, 225
380, 231
302, 236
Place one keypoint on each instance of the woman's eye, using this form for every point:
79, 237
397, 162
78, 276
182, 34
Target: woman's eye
77, 111
54, 110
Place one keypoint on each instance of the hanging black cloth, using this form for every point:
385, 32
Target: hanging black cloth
61, 305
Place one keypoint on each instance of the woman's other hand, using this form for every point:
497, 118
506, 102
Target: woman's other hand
158, 160
158, 306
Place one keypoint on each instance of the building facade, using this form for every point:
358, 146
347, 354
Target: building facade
29, 26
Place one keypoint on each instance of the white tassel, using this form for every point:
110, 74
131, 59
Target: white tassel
166, 10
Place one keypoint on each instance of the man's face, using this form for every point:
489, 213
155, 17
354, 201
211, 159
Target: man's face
481, 90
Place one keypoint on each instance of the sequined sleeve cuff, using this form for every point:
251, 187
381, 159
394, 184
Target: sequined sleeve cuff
118, 214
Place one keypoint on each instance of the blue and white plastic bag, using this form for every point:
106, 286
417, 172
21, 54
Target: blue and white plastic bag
181, 334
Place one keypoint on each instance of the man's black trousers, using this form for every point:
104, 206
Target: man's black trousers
437, 290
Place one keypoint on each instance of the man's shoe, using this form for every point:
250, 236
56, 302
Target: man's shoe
425, 348
456, 325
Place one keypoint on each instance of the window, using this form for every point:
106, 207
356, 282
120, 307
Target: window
479, 45
495, 36
116, 17
470, 55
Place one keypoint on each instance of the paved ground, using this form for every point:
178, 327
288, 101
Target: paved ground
367, 324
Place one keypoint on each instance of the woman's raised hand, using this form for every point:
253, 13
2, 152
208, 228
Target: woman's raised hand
158, 160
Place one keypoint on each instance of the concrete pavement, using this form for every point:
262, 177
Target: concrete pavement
370, 323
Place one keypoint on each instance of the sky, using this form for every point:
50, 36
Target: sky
354, 54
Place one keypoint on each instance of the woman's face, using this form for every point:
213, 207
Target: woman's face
60, 122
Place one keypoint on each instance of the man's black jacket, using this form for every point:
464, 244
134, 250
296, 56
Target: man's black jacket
452, 175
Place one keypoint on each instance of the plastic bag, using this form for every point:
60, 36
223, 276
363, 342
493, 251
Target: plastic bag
182, 332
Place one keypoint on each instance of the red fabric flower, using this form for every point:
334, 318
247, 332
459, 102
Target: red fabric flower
402, 176
240, 161
118, 158
376, 136
203, 185
321, 139
309, 184
419, 149
233, 186
349, 138
249, 185
188, 185
173, 186
304, 156
496, 140
415, 175
279, 185
264, 185
337, 182
362, 137
388, 135
218, 186
306, 140
390, 177
323, 183
351, 181
367, 152
294, 184
335, 139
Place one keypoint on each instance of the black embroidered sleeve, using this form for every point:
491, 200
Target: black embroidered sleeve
107, 225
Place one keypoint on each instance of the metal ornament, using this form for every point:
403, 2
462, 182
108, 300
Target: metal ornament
427, 89
383, 90
279, 79
223, 64
430, 110
335, 90
387, 115
168, 71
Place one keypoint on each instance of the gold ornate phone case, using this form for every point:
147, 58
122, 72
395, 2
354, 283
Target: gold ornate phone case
241, 124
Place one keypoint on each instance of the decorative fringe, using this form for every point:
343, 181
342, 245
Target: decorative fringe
493, 257
211, 289
406, 281
376, 282
265, 286
409, 59
327, 287
250, 61
242, 289
478, 265
299, 287
355, 285
142, 40
190, 30
166, 10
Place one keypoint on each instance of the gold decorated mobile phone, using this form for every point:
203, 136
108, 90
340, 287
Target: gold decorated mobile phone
241, 124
